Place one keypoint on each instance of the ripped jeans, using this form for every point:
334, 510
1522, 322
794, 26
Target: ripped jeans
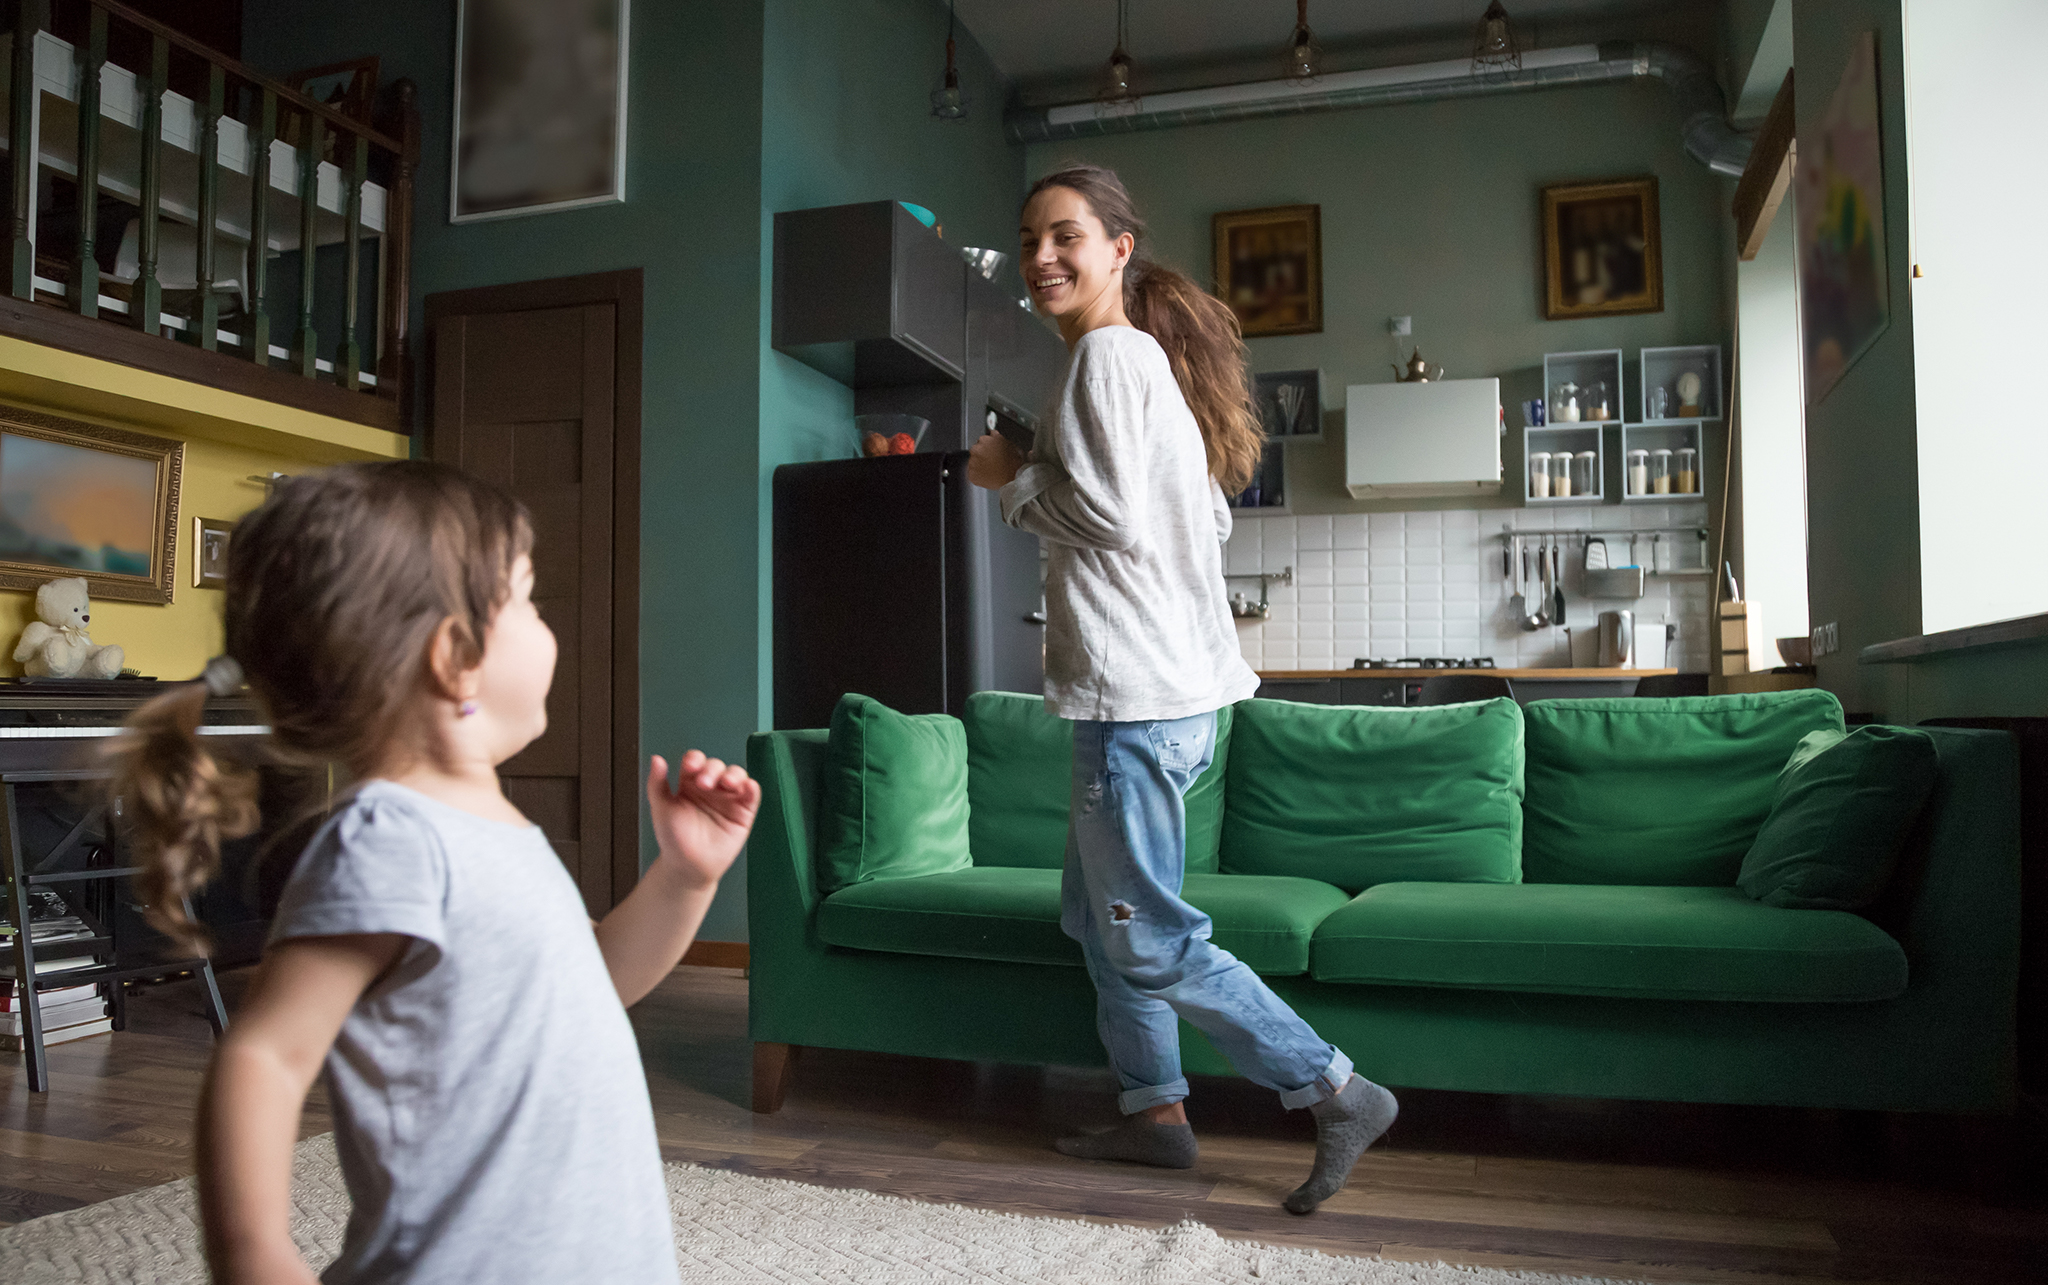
1148, 951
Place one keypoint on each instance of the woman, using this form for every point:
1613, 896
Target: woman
1125, 485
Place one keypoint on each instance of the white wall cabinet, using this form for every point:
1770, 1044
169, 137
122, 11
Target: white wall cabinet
1405, 441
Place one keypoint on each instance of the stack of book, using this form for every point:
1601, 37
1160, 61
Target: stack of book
69, 1013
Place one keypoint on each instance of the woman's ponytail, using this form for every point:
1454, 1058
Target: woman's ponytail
1198, 331
179, 801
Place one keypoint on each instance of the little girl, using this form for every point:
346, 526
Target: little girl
430, 949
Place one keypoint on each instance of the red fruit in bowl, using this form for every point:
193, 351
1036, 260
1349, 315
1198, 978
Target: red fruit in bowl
874, 444
903, 444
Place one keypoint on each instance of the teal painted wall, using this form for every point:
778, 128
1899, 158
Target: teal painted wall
1862, 446
1431, 211
736, 110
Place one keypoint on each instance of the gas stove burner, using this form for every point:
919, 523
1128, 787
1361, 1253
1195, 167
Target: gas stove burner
1427, 662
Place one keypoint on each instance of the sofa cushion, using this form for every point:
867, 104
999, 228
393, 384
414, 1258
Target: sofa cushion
1020, 776
1359, 795
1649, 791
1625, 940
1844, 808
1013, 913
895, 798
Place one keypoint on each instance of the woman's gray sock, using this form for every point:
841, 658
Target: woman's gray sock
1137, 1139
1345, 1126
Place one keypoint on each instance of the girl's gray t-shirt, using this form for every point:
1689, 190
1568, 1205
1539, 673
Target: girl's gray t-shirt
490, 1108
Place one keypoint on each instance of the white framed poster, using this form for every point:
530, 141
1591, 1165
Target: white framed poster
540, 107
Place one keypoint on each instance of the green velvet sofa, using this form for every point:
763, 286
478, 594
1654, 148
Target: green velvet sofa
1478, 897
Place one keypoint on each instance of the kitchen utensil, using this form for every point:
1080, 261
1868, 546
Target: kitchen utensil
1518, 603
1531, 619
1556, 586
1615, 582
1617, 639
1596, 553
1542, 607
1288, 398
986, 262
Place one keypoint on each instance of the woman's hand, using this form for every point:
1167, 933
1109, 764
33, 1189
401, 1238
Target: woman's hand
702, 824
994, 461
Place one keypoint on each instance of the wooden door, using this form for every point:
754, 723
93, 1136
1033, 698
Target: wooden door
526, 398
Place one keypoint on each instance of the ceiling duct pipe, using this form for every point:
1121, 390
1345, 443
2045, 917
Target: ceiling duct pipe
1708, 136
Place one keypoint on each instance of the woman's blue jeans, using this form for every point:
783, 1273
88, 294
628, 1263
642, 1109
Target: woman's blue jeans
1148, 951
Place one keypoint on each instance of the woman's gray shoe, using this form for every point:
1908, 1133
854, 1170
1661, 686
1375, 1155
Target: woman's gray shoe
1345, 1126
1170, 1146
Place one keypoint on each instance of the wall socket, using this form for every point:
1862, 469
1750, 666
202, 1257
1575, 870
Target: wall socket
1827, 639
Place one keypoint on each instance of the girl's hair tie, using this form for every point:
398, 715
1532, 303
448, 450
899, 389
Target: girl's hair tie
223, 676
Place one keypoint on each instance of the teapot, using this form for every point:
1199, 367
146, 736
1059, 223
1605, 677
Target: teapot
1416, 371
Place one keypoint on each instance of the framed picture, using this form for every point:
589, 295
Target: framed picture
540, 107
79, 499
1602, 253
210, 552
1269, 269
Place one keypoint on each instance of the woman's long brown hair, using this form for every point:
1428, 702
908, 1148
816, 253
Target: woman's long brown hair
1198, 331
335, 587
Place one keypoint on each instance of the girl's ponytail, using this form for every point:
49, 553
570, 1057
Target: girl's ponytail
1198, 331
179, 801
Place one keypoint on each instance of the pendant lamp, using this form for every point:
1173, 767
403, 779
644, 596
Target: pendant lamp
949, 101
1118, 87
1304, 55
1493, 43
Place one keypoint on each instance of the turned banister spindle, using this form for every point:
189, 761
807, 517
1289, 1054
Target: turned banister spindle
305, 344
393, 360
348, 358
85, 270
256, 328
26, 147
146, 307
206, 316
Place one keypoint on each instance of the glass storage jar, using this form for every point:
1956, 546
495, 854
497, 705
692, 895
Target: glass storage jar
1560, 474
1584, 467
1638, 472
1686, 465
1660, 472
1539, 475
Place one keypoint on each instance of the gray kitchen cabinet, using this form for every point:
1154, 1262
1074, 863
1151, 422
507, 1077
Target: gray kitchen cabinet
869, 296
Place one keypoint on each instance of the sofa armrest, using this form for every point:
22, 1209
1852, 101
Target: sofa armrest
782, 882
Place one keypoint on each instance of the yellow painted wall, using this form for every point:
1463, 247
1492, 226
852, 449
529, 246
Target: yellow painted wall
228, 438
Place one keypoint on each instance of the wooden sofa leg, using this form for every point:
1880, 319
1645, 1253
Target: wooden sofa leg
771, 1075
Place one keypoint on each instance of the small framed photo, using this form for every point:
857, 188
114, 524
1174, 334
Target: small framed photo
210, 552
1269, 269
540, 107
1602, 253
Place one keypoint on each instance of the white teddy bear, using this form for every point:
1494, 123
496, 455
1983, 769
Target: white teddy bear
57, 646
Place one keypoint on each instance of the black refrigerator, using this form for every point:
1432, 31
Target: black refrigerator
896, 579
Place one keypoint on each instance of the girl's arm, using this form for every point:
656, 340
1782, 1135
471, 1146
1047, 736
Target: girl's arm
701, 825
1094, 497
255, 1089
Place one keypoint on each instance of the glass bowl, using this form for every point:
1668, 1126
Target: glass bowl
892, 430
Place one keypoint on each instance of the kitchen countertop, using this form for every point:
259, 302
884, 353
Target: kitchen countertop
1411, 672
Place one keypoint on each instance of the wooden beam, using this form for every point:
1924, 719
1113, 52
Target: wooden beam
1768, 175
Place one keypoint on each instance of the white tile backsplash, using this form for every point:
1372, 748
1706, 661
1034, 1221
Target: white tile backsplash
1429, 583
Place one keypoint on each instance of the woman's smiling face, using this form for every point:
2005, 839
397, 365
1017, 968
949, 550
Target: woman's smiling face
1071, 264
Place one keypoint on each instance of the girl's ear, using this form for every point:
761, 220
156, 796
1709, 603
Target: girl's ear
451, 671
1126, 244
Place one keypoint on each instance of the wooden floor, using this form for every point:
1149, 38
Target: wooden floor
1639, 1191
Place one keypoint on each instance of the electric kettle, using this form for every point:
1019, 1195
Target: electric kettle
1617, 640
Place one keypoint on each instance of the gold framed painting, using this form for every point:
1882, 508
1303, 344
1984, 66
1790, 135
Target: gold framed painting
1269, 269
77, 499
1603, 253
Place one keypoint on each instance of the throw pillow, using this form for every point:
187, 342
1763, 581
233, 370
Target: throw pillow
1845, 804
895, 797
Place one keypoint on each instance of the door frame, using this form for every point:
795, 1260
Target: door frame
623, 289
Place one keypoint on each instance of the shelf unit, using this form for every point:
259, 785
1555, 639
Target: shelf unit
1307, 424
1661, 368
1668, 435
1589, 370
1566, 437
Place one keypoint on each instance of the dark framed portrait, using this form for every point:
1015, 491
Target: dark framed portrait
1269, 269
1603, 255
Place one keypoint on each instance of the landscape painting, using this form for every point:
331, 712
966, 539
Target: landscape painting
77, 499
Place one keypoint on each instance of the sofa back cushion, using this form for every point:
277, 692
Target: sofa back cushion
1020, 775
1359, 795
1666, 792
895, 796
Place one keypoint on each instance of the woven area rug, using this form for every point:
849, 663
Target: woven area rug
739, 1228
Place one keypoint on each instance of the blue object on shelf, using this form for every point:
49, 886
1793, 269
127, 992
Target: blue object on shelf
921, 214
